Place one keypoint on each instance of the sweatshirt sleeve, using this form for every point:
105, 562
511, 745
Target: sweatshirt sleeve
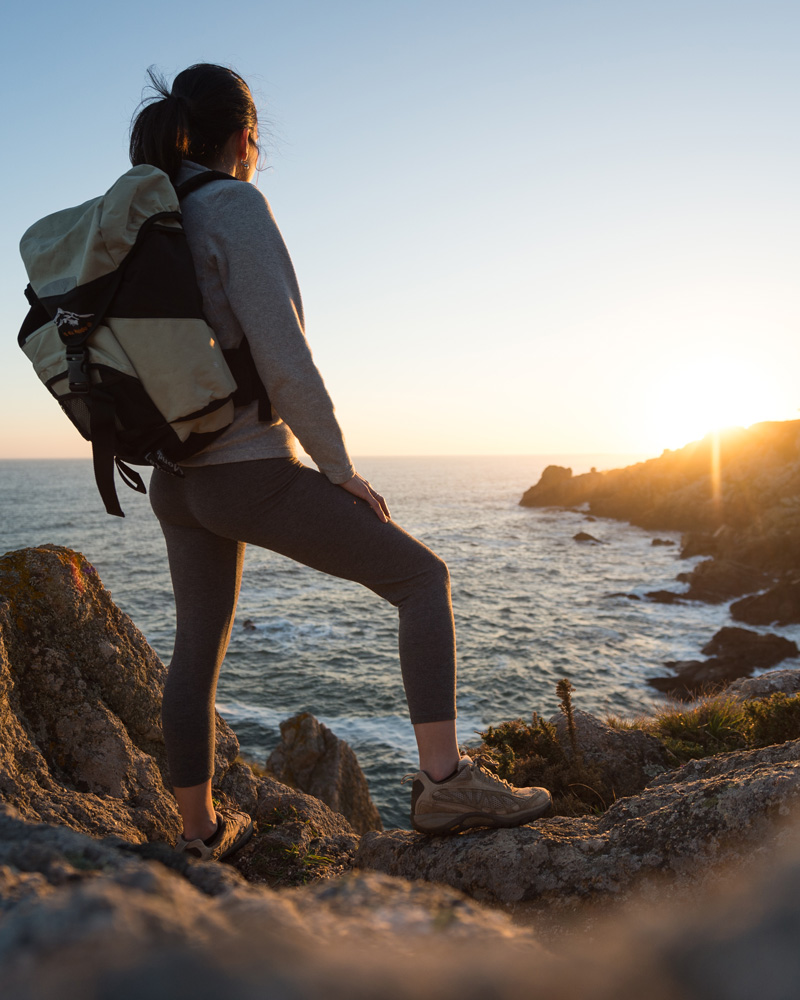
259, 280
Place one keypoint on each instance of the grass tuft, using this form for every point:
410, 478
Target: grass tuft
532, 754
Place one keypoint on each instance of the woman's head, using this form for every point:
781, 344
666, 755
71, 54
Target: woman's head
208, 116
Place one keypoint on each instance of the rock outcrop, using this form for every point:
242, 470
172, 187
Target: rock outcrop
702, 815
773, 682
95, 904
584, 536
717, 580
780, 605
90, 920
748, 515
733, 653
625, 759
80, 733
312, 758
82, 917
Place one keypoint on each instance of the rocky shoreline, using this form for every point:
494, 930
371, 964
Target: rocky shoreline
735, 497
94, 903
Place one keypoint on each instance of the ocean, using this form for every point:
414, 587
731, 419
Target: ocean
531, 605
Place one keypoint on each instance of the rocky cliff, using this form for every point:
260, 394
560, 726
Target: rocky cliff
695, 875
749, 514
736, 498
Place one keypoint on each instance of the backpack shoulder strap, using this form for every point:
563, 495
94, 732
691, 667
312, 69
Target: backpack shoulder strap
199, 179
250, 388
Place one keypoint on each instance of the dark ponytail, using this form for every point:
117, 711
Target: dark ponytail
194, 120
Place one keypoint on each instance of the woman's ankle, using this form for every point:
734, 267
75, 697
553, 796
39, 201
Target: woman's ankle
202, 831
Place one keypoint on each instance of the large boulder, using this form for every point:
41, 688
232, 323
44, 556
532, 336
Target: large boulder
703, 815
80, 703
312, 758
80, 728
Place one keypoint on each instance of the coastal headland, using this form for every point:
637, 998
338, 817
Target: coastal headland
677, 878
735, 497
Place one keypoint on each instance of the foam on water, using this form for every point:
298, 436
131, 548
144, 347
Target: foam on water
531, 606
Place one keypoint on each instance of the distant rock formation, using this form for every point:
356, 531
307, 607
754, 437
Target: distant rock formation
753, 519
747, 519
732, 653
778, 606
310, 757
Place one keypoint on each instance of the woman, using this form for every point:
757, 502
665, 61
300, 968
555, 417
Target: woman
248, 486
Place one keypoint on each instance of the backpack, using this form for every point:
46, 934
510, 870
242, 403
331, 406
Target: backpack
116, 330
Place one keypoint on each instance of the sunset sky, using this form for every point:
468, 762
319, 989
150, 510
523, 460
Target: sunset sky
519, 227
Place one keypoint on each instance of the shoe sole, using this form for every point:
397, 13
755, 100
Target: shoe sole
238, 844
468, 821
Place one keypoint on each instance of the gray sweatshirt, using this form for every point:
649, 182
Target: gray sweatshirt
249, 288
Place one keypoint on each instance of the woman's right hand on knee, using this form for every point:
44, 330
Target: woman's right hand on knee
359, 487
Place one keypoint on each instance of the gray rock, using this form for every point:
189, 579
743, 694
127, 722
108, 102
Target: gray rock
80, 727
80, 703
704, 814
627, 759
774, 681
83, 918
114, 935
312, 758
665, 597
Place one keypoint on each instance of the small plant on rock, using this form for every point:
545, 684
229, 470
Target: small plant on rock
531, 754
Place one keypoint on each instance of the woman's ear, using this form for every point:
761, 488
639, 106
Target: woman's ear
243, 145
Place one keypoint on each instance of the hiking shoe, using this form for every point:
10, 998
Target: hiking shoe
471, 797
234, 829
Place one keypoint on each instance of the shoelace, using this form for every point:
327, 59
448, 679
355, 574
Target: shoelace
472, 766
496, 779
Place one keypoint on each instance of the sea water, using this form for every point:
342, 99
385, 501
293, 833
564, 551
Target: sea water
531, 605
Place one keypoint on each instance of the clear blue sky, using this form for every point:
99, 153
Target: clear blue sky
519, 227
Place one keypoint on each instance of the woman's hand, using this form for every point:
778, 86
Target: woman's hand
359, 487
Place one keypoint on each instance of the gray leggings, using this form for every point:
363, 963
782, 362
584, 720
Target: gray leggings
279, 504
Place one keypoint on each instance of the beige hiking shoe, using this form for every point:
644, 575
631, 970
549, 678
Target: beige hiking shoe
471, 797
234, 829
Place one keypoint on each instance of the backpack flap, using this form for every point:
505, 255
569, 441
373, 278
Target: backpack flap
116, 330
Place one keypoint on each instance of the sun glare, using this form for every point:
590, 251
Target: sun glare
712, 394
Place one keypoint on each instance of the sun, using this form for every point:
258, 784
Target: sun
711, 393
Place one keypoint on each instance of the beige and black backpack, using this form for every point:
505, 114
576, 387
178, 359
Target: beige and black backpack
117, 334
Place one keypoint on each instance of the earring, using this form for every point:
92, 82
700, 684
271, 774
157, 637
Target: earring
244, 163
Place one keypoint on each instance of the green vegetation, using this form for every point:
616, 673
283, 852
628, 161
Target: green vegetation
533, 754
721, 725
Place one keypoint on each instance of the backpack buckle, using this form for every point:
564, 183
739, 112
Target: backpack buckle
78, 370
